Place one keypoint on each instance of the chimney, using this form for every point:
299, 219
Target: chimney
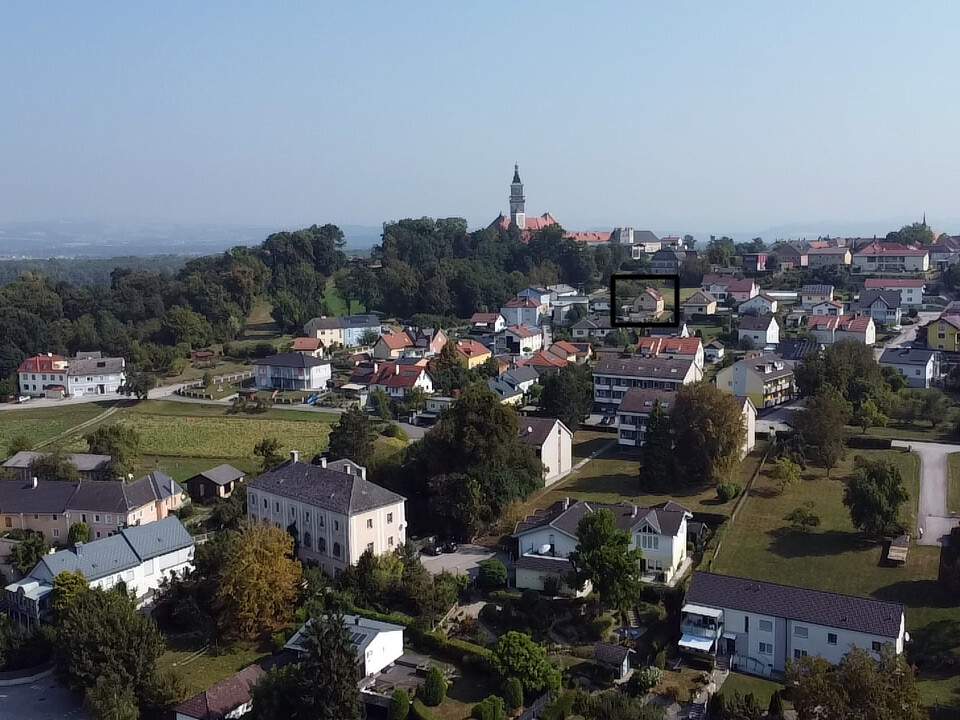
33, 484
356, 620
634, 513
529, 430
295, 456
173, 488
348, 468
78, 548
363, 473
323, 461
566, 503
396, 368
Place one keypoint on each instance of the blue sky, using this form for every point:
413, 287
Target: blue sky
676, 116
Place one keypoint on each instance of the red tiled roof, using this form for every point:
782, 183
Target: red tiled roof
471, 348
532, 223
567, 347
41, 364
653, 292
880, 283
844, 323
828, 250
522, 303
668, 345
397, 341
484, 318
545, 359
878, 248
307, 343
522, 331
224, 697
950, 319
589, 237
744, 285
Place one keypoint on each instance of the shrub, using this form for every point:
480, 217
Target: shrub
727, 491
399, 705
434, 687
187, 511
513, 693
492, 575
869, 443
660, 660
775, 709
490, 708
395, 431
419, 711
644, 680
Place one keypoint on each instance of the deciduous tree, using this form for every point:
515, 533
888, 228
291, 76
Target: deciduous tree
874, 497
604, 558
822, 427
707, 423
568, 395
268, 450
120, 441
517, 656
352, 437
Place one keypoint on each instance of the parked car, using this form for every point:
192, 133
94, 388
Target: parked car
23, 398
432, 550
450, 547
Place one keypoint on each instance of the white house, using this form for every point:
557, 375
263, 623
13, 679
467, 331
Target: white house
523, 340
760, 330
919, 367
228, 699
546, 539
890, 258
831, 308
377, 644
523, 378
811, 295
882, 305
591, 328
488, 322
398, 379
540, 295
336, 513
759, 626
614, 376
291, 371
910, 289
828, 330
761, 304
86, 374
552, 441
713, 351
522, 311
688, 348
140, 557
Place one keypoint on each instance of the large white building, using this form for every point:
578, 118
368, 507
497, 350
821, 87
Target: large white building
889, 258
86, 374
377, 644
333, 509
140, 557
292, 371
910, 289
759, 626
614, 376
546, 539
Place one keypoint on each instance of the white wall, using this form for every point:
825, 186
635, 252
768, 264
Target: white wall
384, 649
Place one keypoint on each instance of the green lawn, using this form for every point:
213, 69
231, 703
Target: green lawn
200, 672
336, 303
707, 332
836, 557
44, 424
920, 431
953, 491
745, 684
686, 293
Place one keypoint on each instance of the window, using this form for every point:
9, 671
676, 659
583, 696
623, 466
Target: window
370, 547
96, 518
53, 517
746, 623
320, 520
56, 532
389, 518
831, 638
797, 654
336, 525
108, 519
369, 523
307, 541
336, 549
8, 522
876, 646
800, 631
322, 545
306, 516
766, 625
390, 541
253, 499
277, 507
293, 512
265, 504
766, 648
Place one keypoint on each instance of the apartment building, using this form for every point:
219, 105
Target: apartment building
614, 376
88, 373
893, 258
765, 378
910, 289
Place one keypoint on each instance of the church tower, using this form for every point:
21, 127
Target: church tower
517, 215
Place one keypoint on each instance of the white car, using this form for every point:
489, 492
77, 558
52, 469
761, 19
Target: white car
23, 398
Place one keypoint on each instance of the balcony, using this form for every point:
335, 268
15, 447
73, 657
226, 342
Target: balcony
700, 630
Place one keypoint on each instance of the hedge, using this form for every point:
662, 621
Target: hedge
869, 443
419, 711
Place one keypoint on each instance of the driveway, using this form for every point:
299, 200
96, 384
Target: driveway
42, 700
779, 418
908, 334
933, 518
465, 561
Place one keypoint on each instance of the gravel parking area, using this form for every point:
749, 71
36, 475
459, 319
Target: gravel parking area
465, 560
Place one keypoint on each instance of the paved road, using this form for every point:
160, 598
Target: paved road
908, 334
933, 517
42, 700
158, 393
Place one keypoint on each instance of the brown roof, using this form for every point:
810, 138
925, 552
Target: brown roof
881, 283
307, 343
471, 348
397, 340
636, 366
217, 701
885, 248
755, 322
534, 431
642, 400
522, 331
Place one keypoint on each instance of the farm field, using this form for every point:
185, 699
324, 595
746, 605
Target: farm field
46, 423
836, 557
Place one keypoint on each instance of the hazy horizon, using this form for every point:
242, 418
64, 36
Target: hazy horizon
678, 118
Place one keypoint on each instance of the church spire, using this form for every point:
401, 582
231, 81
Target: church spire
517, 215
516, 173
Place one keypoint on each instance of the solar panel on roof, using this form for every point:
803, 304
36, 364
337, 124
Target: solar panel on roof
356, 638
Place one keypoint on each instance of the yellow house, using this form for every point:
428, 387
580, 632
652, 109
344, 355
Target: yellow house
472, 354
944, 333
765, 379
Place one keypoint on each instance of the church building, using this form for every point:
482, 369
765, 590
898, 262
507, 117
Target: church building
518, 217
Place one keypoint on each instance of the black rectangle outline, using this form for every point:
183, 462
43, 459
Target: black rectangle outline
644, 276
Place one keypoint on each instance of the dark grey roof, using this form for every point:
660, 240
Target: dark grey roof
534, 431
645, 236
502, 389
665, 519
95, 366
18, 496
542, 563
84, 462
816, 289
874, 617
643, 367
105, 496
326, 488
906, 356
755, 322
157, 538
891, 298
291, 360
796, 349
642, 400
364, 321
521, 374
609, 654
158, 486
222, 474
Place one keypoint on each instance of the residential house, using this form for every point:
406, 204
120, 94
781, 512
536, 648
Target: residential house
89, 466
910, 289
614, 376
742, 290
436, 404
944, 252
472, 353
828, 307
944, 332
592, 328
667, 261
755, 262
552, 441
334, 511
761, 330
544, 361
764, 378
328, 330
886, 257
614, 658
105, 506
919, 367
377, 644
812, 295
641, 242
700, 303
637, 406
760, 626
561, 290
713, 351
882, 305
818, 257
226, 700
347, 330
291, 371
523, 378
217, 483
761, 304
311, 346
398, 379
681, 330
688, 348
522, 311
508, 394
794, 350
830, 329
140, 557
590, 238
391, 346
540, 295
56, 376
788, 257
523, 341
649, 302
561, 307
488, 322
727, 288
546, 539
577, 353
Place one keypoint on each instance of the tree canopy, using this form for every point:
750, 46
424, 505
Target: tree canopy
707, 423
603, 558
568, 395
352, 437
874, 497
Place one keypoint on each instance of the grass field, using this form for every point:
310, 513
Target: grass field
707, 332
921, 431
953, 490
199, 672
44, 424
336, 303
836, 557
746, 684
686, 293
